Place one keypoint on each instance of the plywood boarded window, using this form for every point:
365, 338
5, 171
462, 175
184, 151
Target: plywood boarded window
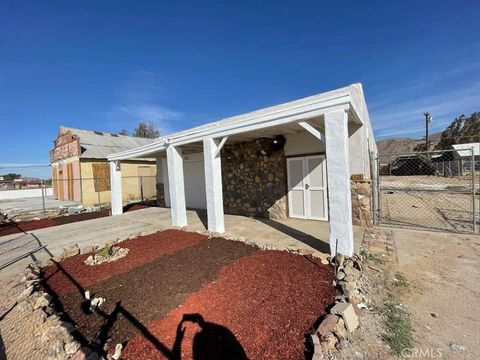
101, 176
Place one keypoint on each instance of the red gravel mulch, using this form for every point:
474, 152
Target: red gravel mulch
149, 292
142, 250
24, 226
260, 306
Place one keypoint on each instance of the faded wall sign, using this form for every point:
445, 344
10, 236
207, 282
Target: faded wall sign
66, 146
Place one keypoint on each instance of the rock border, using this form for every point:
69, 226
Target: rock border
334, 328
53, 332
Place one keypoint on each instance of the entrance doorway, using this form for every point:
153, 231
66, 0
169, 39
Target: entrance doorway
307, 187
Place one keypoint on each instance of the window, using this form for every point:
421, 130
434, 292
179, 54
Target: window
101, 176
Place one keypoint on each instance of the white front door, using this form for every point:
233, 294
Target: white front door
307, 187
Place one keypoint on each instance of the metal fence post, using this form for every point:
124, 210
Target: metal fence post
44, 194
98, 194
141, 187
373, 177
379, 191
474, 215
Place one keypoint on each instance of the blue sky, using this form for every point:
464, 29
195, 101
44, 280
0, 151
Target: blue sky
105, 65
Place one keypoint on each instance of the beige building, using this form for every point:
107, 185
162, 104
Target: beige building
80, 170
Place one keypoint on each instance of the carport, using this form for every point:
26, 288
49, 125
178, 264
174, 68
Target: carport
337, 125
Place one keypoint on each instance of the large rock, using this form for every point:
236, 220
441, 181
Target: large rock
346, 311
72, 250
327, 325
43, 300
328, 342
25, 293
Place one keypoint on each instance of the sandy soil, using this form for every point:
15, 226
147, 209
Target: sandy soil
443, 296
427, 182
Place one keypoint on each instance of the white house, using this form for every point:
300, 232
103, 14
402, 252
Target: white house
295, 159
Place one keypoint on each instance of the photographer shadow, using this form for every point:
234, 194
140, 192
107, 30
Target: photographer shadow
213, 341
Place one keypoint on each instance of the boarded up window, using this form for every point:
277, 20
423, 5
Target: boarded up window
101, 176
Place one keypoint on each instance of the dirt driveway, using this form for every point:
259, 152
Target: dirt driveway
443, 297
427, 202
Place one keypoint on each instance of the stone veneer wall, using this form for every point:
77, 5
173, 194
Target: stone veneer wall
254, 184
361, 203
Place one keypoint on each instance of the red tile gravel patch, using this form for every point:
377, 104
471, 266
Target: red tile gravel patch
142, 250
24, 226
263, 303
151, 291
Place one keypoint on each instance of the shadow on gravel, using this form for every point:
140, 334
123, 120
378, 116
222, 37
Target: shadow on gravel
213, 342
3, 355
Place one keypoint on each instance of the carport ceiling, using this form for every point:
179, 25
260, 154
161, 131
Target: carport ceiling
290, 128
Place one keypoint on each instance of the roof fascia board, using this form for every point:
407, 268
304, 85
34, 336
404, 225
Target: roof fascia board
259, 126
306, 110
259, 118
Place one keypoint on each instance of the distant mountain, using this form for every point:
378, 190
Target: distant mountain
402, 145
462, 130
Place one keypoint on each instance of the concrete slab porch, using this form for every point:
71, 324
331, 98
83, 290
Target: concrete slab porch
292, 234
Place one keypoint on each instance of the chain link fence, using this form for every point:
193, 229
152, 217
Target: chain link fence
29, 191
434, 190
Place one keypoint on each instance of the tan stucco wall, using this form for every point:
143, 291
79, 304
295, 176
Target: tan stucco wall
130, 182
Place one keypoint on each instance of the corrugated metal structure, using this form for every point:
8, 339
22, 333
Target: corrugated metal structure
98, 145
80, 170
465, 150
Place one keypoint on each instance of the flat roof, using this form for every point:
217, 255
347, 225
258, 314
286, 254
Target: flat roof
350, 98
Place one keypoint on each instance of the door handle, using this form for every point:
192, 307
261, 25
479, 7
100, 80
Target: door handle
307, 186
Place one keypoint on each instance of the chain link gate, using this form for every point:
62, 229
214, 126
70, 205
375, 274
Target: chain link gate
435, 190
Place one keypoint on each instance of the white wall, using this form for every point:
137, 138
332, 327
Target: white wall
193, 177
356, 150
23, 193
302, 143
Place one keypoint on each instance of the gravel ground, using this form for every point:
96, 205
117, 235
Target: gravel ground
254, 303
259, 307
71, 273
427, 202
24, 226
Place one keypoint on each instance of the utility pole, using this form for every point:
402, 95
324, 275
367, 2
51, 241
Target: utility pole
428, 120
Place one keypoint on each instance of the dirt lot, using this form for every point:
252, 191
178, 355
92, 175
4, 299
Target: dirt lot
443, 271
427, 202
183, 293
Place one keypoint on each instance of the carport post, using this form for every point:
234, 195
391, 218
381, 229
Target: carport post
116, 187
213, 184
338, 175
178, 208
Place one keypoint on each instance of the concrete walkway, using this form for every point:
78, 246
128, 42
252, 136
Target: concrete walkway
291, 234
14, 206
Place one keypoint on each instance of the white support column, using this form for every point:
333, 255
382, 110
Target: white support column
338, 175
178, 208
116, 187
213, 184
166, 188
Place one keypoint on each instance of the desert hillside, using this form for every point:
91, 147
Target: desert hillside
401, 145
